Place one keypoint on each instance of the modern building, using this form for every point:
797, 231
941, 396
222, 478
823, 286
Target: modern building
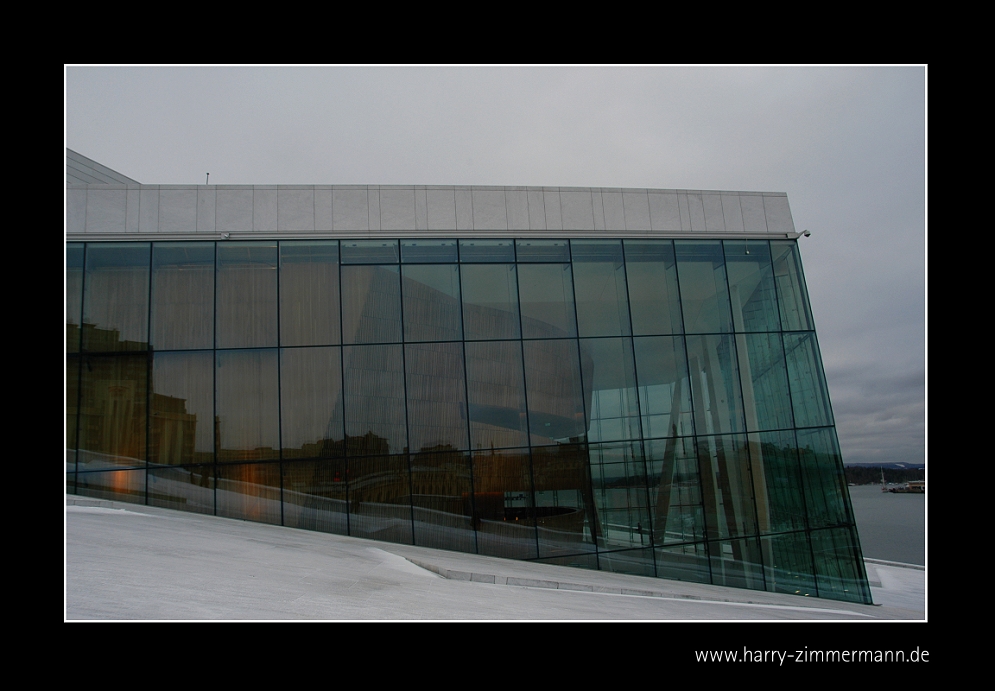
617, 379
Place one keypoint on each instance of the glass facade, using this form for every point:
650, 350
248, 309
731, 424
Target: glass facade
646, 406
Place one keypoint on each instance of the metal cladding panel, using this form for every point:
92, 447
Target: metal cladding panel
682, 207
177, 210
131, 210
207, 209
614, 213
697, 211
754, 220
148, 210
106, 210
537, 210
295, 208
441, 209
323, 208
76, 210
665, 213
489, 209
778, 214
464, 208
714, 220
637, 211
350, 209
578, 209
517, 200
234, 209
731, 212
551, 205
397, 209
264, 207
373, 197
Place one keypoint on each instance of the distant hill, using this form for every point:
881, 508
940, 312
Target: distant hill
870, 473
895, 466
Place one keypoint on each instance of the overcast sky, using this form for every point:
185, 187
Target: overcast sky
847, 145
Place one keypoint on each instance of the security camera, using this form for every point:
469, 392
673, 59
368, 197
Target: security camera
225, 236
806, 233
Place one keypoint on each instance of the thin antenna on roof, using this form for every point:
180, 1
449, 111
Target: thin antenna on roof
206, 182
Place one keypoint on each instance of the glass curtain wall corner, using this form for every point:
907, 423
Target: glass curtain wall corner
646, 406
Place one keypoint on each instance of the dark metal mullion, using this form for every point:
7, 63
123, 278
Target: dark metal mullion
583, 401
79, 372
466, 404
639, 411
525, 393
742, 397
279, 382
404, 379
345, 437
149, 358
215, 428
694, 425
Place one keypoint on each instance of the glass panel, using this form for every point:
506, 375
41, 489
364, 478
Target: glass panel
248, 411
664, 389
496, 390
503, 504
621, 496
314, 496
487, 250
423, 251
380, 499
250, 491
674, 491
718, 404
736, 563
791, 294
442, 501
555, 398
826, 495
112, 412
369, 251
547, 300
183, 489
654, 299
839, 572
727, 486
543, 250
704, 295
374, 405
311, 403
683, 563
566, 517
577, 561
309, 293
431, 303
247, 307
788, 564
116, 485
610, 389
809, 395
182, 295
777, 482
182, 424
72, 410
751, 285
599, 285
436, 396
766, 402
371, 304
74, 295
490, 301
116, 303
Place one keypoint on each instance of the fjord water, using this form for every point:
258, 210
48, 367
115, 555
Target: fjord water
891, 526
